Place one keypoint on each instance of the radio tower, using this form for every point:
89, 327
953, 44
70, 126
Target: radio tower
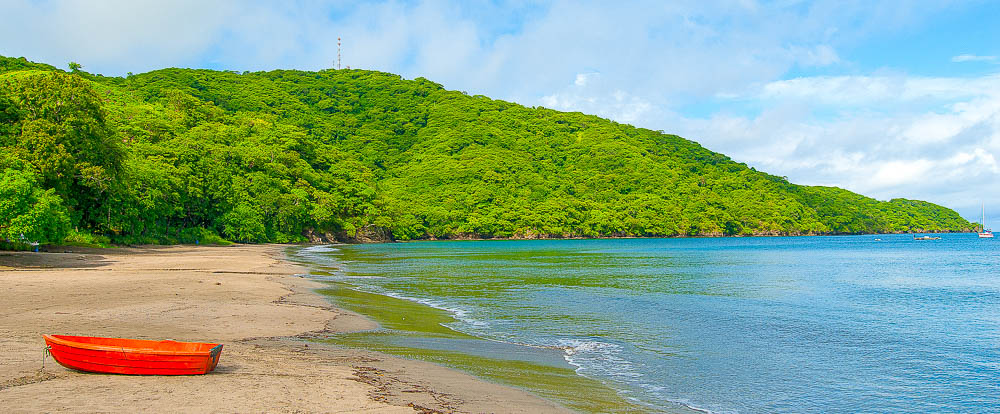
338, 53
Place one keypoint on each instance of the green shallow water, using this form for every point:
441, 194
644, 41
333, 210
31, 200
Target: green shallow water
884, 324
413, 330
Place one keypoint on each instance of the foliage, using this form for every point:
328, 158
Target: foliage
58, 126
173, 155
28, 213
199, 235
80, 239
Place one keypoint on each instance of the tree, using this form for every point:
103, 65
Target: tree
245, 224
29, 213
8, 119
64, 134
74, 67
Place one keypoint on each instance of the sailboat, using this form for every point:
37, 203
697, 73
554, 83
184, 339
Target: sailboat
983, 233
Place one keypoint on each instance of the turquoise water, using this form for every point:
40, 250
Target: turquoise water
727, 325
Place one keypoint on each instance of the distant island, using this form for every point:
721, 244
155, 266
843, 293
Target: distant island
185, 156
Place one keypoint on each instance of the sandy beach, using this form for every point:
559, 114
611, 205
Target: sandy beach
246, 297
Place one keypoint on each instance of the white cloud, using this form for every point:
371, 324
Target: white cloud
973, 58
590, 94
867, 90
820, 55
939, 142
894, 173
676, 47
583, 78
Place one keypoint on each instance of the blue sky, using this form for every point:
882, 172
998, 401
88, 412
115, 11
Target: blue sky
890, 99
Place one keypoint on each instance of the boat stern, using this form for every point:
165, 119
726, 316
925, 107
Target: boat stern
214, 355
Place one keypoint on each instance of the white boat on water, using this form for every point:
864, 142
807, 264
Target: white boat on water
983, 233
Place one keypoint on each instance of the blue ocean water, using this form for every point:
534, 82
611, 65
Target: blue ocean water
726, 325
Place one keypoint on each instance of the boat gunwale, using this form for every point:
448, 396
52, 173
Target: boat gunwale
96, 347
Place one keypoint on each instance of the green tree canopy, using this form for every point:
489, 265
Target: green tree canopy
58, 125
28, 213
282, 156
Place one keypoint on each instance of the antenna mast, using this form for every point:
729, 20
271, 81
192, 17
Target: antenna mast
338, 53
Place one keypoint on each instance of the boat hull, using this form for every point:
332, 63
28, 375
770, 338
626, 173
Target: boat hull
133, 356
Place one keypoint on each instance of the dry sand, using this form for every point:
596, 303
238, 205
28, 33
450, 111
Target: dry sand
245, 297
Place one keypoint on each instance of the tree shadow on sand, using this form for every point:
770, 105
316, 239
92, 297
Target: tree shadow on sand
50, 260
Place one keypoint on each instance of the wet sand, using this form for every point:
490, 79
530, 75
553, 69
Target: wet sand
246, 297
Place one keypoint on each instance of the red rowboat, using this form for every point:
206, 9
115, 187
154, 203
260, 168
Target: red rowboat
133, 356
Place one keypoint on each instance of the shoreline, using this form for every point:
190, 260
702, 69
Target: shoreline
247, 297
417, 330
427, 333
367, 240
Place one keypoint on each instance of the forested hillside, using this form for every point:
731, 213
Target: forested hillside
179, 155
